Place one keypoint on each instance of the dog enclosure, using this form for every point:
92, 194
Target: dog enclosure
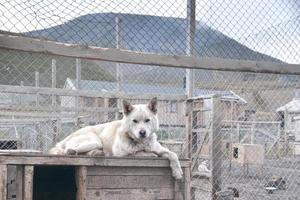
226, 75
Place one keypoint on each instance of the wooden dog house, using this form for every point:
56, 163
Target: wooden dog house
36, 177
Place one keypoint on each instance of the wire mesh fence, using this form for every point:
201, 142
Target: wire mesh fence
240, 129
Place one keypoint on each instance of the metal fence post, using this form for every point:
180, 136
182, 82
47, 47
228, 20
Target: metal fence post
216, 147
118, 71
190, 45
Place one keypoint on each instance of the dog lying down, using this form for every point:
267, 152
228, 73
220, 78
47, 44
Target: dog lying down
133, 134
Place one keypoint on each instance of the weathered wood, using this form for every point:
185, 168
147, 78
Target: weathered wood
216, 147
18, 151
87, 161
187, 183
177, 193
125, 182
85, 93
116, 171
54, 108
19, 182
3, 182
117, 55
11, 181
188, 129
81, 176
130, 194
28, 183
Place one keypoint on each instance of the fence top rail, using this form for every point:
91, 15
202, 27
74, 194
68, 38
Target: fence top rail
84, 93
252, 122
21, 43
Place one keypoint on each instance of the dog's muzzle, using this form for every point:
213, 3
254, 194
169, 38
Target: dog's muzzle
142, 133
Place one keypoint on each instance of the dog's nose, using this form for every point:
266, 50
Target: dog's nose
142, 133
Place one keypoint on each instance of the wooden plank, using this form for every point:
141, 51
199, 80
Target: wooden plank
177, 192
86, 93
19, 182
29, 108
116, 171
130, 194
188, 129
81, 176
125, 182
22, 43
3, 182
216, 147
11, 181
28, 183
187, 184
87, 161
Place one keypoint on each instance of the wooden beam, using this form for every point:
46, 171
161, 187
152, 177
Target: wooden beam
3, 182
80, 177
26, 159
27, 44
53, 109
96, 94
28, 183
19, 182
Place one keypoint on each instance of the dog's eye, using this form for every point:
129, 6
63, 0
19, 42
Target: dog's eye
135, 121
147, 120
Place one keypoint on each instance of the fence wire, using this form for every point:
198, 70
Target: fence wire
243, 127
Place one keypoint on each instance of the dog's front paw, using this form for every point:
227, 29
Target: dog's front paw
71, 152
96, 152
177, 173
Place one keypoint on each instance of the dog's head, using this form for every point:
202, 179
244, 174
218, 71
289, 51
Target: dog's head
140, 120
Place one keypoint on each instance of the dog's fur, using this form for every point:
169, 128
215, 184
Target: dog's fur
133, 134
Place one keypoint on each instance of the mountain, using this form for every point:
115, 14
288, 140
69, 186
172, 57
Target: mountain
164, 35
148, 34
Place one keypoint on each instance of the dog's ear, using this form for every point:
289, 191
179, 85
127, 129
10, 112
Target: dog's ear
127, 107
153, 105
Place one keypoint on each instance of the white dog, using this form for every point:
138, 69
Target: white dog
133, 134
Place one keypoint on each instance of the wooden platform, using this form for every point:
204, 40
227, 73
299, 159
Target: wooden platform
27, 177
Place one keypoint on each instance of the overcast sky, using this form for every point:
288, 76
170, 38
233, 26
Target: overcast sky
268, 26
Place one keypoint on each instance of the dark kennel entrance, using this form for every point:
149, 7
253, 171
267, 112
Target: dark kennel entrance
54, 182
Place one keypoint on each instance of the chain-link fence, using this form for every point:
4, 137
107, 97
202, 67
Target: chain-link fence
240, 129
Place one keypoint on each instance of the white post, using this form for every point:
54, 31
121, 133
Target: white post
37, 83
78, 79
53, 80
